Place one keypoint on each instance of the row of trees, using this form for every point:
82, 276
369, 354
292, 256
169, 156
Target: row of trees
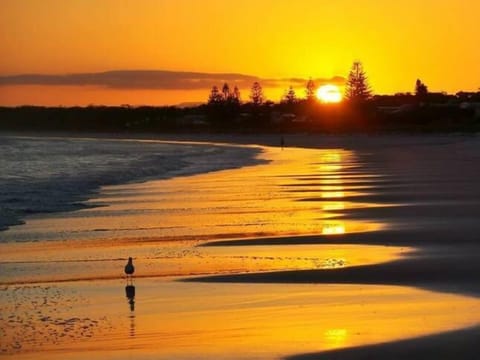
228, 97
357, 90
224, 96
290, 96
256, 96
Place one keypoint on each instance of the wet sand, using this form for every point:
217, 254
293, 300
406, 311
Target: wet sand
319, 250
196, 320
450, 345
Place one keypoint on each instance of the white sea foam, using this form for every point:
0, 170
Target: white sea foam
41, 175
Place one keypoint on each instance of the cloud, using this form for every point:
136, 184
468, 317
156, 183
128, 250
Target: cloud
155, 79
295, 82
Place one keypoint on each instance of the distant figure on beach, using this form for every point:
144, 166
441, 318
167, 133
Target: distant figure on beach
129, 269
282, 142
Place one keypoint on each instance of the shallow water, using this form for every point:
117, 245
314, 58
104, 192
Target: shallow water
51, 175
253, 201
160, 222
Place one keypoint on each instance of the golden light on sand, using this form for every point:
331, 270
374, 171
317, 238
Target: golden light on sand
329, 94
332, 194
327, 168
333, 206
333, 228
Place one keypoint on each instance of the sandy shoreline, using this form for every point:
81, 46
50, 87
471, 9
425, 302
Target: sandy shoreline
319, 250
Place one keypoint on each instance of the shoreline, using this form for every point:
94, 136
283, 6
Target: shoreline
80, 200
377, 270
301, 140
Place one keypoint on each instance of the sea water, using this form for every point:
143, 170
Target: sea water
49, 174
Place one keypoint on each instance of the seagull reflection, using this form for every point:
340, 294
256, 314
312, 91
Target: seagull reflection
130, 293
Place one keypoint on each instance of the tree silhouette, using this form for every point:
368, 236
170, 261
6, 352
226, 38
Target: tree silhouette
357, 88
226, 91
215, 96
421, 90
236, 95
256, 94
290, 97
310, 90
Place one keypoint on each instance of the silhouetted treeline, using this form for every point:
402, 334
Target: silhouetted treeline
91, 118
432, 112
361, 111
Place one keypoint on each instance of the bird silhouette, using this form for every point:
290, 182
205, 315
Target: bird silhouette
129, 269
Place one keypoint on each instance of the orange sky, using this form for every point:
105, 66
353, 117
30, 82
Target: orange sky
397, 41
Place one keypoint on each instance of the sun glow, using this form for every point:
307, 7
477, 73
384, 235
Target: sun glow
329, 94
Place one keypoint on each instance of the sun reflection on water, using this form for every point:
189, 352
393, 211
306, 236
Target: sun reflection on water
331, 156
333, 228
335, 337
331, 165
333, 206
333, 194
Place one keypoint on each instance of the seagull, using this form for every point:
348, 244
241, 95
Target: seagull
129, 268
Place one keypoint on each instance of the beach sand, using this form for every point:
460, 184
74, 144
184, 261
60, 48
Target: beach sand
319, 250
196, 320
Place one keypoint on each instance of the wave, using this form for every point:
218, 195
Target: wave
49, 175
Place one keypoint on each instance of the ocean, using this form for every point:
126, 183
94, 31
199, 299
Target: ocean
50, 175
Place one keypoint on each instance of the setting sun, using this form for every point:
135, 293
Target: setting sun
329, 94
